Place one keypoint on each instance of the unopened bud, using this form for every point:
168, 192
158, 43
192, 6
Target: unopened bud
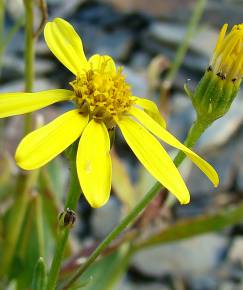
221, 81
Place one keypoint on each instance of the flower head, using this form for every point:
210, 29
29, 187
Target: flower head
227, 60
221, 82
103, 101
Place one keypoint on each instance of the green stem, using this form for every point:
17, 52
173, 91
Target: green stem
39, 224
57, 259
2, 16
29, 57
180, 54
195, 132
2, 19
71, 203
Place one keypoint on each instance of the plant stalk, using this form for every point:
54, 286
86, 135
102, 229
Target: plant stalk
71, 203
29, 57
195, 132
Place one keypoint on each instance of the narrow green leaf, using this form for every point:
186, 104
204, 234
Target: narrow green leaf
39, 277
196, 226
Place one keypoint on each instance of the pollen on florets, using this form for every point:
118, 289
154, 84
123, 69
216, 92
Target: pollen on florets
103, 95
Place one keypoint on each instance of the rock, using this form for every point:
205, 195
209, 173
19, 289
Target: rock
99, 14
219, 12
15, 8
104, 219
235, 252
223, 160
116, 43
137, 81
208, 282
40, 84
194, 257
63, 8
239, 160
193, 60
154, 7
140, 60
181, 116
202, 42
14, 67
227, 285
141, 286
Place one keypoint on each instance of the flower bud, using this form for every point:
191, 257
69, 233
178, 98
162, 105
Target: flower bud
221, 82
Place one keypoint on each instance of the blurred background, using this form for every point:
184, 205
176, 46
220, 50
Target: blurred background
143, 37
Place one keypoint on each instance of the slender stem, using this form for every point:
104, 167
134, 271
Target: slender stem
71, 203
29, 57
57, 259
39, 224
25, 183
197, 129
44, 14
195, 132
180, 54
2, 16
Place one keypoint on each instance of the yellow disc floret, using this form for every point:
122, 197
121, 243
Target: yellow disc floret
102, 94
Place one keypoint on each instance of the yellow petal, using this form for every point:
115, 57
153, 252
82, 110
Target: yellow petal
19, 103
154, 158
151, 109
65, 44
102, 63
94, 164
221, 36
165, 136
42, 145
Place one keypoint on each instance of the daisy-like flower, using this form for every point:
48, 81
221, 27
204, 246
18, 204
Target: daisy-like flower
221, 82
103, 101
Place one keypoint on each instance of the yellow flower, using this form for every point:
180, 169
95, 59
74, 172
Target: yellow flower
221, 81
227, 59
103, 100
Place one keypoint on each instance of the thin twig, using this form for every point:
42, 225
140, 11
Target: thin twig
44, 14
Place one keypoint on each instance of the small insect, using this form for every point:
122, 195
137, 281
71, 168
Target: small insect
221, 75
67, 218
209, 68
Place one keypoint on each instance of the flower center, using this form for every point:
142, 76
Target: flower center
105, 96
